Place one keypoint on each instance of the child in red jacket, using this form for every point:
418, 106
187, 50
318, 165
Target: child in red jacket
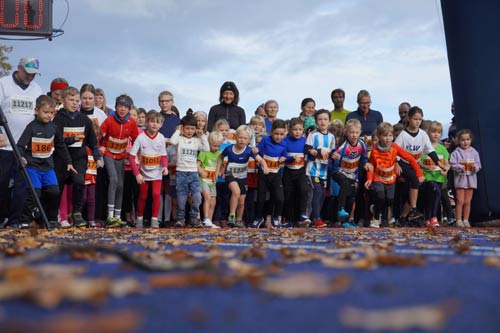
116, 132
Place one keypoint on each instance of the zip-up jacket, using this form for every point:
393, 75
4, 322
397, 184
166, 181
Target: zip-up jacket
70, 124
37, 144
116, 133
232, 113
384, 164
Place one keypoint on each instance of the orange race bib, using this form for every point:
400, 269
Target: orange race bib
273, 163
385, 174
150, 162
71, 132
349, 165
232, 136
297, 162
368, 141
416, 156
116, 146
252, 166
42, 148
468, 166
91, 166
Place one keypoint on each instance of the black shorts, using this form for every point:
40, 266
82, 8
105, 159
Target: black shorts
242, 183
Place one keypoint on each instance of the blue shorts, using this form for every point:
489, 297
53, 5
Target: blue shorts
41, 179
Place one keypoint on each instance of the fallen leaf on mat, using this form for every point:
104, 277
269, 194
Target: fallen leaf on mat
50, 292
182, 280
492, 261
424, 317
462, 248
393, 260
115, 322
305, 285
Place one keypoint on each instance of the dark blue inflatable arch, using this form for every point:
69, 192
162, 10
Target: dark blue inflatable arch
472, 31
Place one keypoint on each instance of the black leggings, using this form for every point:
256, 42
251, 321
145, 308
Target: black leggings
409, 174
273, 184
347, 190
384, 197
295, 189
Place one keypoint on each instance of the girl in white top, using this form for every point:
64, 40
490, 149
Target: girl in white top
415, 142
151, 151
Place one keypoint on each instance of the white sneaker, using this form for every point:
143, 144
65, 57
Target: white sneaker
466, 224
374, 223
65, 224
460, 224
155, 223
208, 224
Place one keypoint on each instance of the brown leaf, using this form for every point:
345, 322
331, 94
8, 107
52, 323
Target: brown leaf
28, 243
492, 261
182, 280
219, 239
252, 253
89, 254
305, 285
393, 260
462, 248
116, 322
425, 317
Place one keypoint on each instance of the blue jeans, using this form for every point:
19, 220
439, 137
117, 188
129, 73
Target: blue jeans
318, 186
188, 182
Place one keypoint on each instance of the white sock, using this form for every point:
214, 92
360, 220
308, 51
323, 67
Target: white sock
111, 209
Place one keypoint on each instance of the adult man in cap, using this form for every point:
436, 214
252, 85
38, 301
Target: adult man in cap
18, 94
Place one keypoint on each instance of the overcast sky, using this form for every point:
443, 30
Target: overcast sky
272, 49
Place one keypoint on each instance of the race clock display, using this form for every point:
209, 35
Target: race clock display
26, 17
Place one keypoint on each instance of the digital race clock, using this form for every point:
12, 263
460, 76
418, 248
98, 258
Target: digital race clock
26, 17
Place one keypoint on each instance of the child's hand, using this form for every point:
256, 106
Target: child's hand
164, 171
325, 154
421, 179
140, 179
335, 156
282, 159
102, 150
427, 167
99, 163
368, 167
368, 183
297, 158
203, 174
255, 150
265, 170
70, 168
398, 169
199, 133
3, 141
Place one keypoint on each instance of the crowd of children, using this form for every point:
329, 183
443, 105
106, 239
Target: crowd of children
173, 172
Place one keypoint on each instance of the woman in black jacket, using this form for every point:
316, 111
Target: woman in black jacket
228, 108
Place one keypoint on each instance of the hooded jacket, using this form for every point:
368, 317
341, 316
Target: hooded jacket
116, 133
